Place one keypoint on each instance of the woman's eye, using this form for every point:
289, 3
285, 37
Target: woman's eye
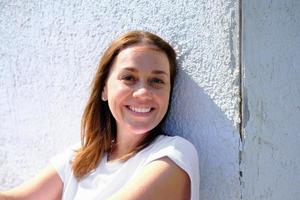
157, 81
128, 78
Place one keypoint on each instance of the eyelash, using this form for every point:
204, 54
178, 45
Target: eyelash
128, 78
157, 80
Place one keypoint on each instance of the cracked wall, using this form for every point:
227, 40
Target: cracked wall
271, 99
49, 51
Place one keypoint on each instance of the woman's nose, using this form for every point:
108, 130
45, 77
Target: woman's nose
142, 91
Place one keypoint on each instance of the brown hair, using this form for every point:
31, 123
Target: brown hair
98, 126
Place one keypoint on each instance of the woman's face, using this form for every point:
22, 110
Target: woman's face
138, 88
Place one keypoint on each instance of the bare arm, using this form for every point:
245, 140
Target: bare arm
46, 186
161, 179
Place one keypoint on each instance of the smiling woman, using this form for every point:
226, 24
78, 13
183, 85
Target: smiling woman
124, 153
138, 91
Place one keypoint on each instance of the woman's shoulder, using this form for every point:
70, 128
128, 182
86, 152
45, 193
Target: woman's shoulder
176, 148
63, 160
68, 153
174, 142
180, 151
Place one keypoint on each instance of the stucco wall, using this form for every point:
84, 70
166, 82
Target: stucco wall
49, 51
271, 98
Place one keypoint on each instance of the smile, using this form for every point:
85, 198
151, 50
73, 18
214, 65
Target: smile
140, 110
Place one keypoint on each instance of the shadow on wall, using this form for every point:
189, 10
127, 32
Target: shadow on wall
197, 118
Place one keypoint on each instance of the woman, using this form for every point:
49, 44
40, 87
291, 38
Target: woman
124, 154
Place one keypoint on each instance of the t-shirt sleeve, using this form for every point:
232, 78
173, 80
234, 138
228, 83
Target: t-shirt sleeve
62, 163
184, 154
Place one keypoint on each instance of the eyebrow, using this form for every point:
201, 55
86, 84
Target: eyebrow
154, 72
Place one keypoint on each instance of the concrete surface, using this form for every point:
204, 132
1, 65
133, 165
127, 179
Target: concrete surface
49, 51
271, 98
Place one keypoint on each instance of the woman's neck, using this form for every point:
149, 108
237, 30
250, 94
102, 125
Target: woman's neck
124, 144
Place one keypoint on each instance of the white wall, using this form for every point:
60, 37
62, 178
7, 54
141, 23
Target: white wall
271, 98
49, 51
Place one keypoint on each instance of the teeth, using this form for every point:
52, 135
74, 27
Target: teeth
140, 110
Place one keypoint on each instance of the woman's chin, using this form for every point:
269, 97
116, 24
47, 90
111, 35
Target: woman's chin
140, 130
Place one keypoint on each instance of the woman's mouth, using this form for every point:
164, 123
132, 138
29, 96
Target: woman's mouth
140, 109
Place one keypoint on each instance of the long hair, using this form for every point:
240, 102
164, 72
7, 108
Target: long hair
98, 126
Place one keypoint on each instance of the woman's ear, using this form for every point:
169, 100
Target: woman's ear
104, 94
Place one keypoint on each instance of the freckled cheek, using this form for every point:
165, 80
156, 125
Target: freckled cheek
118, 96
163, 97
119, 89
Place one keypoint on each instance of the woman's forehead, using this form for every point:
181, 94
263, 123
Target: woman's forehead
142, 57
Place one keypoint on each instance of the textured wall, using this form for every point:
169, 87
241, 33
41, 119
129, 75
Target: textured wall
271, 95
49, 51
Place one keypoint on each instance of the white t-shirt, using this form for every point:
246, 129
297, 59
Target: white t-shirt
109, 177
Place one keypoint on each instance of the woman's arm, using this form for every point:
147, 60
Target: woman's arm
161, 179
46, 186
